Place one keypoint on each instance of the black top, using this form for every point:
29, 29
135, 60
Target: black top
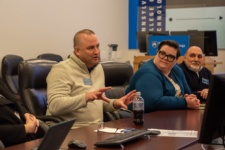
12, 130
196, 83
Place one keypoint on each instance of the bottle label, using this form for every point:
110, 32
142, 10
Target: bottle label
138, 106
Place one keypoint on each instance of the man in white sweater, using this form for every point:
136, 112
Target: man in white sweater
76, 86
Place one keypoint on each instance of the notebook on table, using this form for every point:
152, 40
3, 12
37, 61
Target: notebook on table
55, 136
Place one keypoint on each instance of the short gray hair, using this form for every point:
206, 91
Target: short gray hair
76, 38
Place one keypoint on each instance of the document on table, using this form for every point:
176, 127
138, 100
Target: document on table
110, 130
177, 133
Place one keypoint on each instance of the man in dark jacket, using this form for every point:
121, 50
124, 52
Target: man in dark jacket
16, 125
197, 76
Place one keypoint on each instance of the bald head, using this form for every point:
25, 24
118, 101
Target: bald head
77, 37
194, 48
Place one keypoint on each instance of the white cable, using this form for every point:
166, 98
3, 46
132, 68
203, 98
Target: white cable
203, 147
215, 149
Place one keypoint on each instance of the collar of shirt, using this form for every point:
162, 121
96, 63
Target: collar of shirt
92, 68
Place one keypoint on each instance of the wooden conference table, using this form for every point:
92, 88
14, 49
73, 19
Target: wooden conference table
170, 119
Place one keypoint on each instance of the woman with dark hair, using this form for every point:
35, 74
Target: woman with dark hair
16, 124
162, 83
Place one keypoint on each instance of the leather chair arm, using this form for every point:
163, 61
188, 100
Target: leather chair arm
50, 118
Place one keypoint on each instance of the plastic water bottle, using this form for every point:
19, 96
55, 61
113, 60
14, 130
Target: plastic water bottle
138, 110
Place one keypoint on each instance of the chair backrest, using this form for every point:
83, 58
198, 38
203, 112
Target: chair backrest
142, 62
50, 56
32, 84
117, 75
6, 92
10, 71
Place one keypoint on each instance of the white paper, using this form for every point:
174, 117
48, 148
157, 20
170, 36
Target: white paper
177, 133
110, 130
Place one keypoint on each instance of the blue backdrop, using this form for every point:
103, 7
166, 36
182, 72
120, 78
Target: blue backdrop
145, 15
182, 40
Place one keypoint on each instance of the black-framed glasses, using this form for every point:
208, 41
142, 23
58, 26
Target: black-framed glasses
162, 55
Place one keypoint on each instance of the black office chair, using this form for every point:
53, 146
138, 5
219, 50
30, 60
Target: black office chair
10, 71
6, 92
42, 129
142, 62
50, 56
117, 75
33, 87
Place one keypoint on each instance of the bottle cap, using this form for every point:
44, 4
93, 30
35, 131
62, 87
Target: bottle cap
138, 93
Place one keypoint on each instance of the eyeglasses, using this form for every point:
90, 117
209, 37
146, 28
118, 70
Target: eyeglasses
162, 55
